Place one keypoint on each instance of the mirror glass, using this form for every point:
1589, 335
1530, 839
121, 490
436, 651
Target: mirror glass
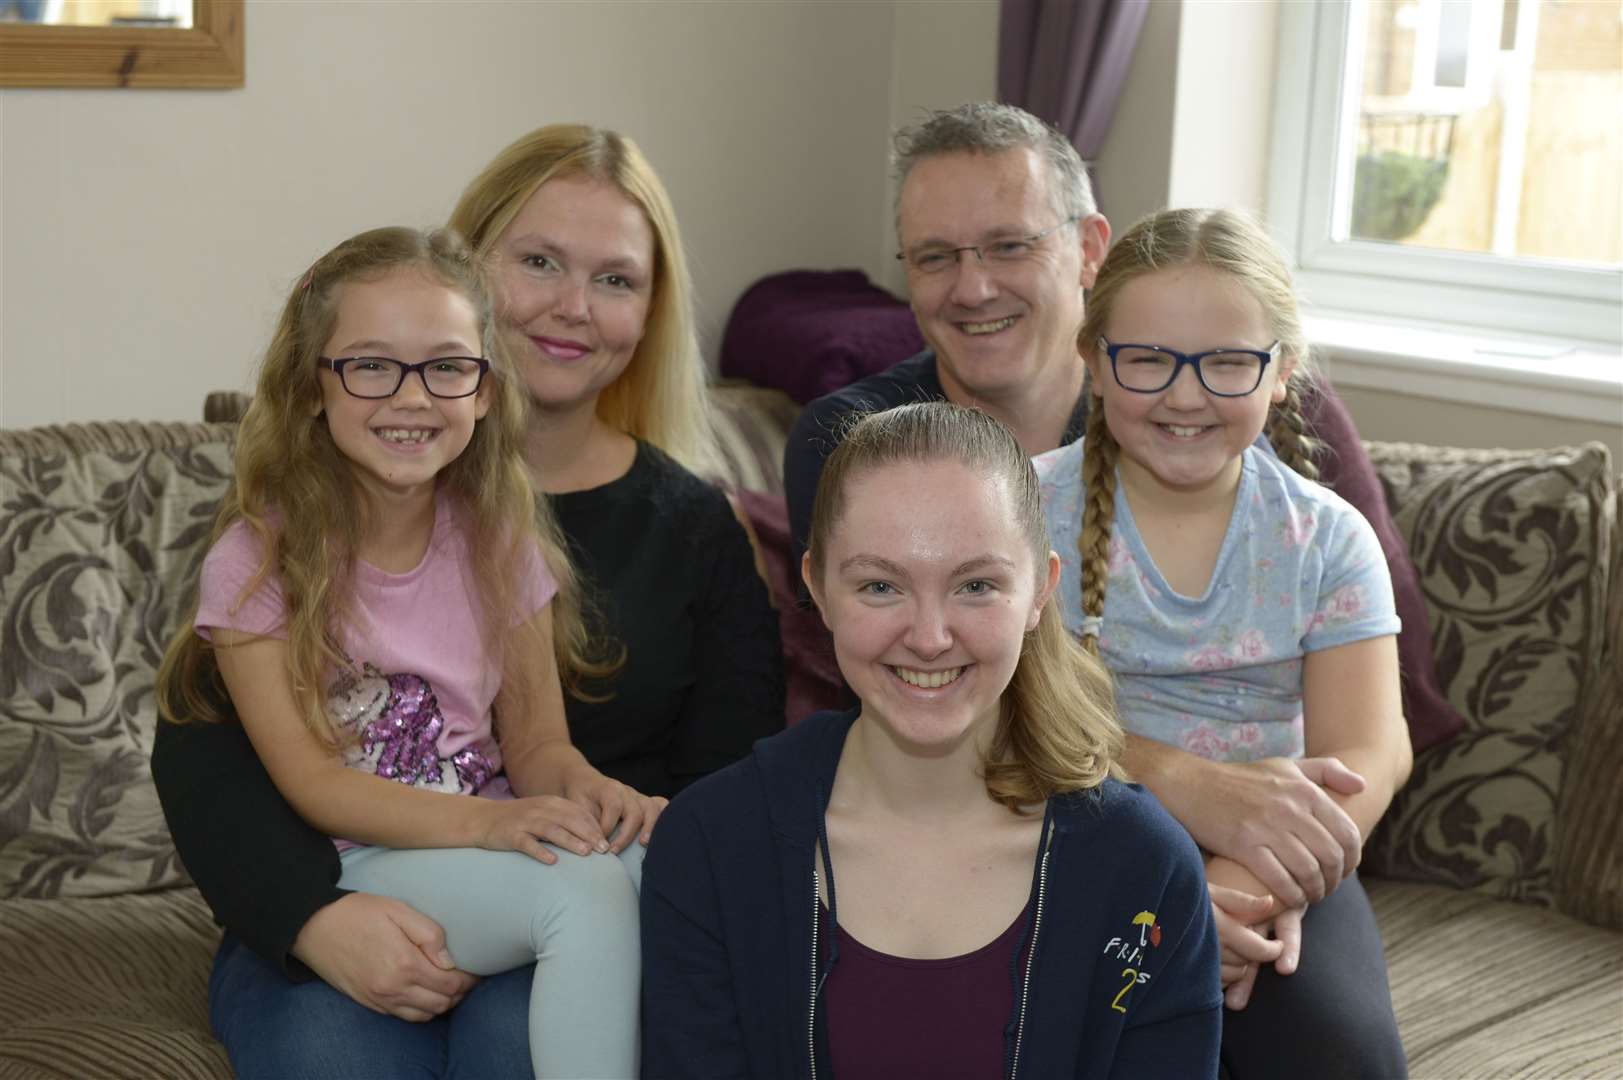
127, 14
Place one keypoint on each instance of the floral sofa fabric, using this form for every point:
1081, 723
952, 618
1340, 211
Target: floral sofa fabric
102, 530
1517, 553
1496, 877
107, 951
1513, 549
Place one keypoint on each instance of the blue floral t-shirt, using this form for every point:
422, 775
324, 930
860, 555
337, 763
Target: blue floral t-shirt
1220, 675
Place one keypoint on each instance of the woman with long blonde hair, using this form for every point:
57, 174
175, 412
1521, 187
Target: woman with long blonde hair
676, 667
1005, 905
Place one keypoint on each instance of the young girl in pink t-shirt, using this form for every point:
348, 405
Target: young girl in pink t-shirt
393, 628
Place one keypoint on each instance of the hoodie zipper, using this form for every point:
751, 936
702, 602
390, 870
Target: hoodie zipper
1031, 957
811, 1017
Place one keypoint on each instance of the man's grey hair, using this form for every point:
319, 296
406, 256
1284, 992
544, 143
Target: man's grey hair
991, 127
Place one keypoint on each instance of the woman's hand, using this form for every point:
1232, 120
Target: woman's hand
622, 812
384, 954
522, 825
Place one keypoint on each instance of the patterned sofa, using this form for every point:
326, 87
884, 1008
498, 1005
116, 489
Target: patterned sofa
1498, 876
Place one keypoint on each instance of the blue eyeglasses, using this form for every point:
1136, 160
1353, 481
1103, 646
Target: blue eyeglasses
1149, 369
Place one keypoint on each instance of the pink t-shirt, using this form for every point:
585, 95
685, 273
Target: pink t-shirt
421, 689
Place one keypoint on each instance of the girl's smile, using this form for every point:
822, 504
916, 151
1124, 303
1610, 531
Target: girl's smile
929, 680
407, 440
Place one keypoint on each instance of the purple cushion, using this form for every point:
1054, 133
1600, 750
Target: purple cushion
810, 332
1345, 468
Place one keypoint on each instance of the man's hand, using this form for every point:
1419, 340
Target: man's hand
1275, 818
385, 955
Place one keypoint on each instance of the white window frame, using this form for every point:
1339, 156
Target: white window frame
1477, 293
1424, 91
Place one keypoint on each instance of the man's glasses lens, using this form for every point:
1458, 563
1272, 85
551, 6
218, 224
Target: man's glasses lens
377, 377
1004, 252
1148, 370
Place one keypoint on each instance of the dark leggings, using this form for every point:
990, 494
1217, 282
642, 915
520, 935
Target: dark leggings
1330, 1020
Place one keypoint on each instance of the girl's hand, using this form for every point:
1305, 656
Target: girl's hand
622, 812
521, 825
1287, 934
1243, 909
1252, 929
1242, 931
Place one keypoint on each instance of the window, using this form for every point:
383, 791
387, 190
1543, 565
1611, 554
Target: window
1455, 161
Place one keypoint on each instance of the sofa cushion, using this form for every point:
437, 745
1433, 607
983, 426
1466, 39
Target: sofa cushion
751, 426
810, 332
1512, 549
101, 530
108, 987
1485, 988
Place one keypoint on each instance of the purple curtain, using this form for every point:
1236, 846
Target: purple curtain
1065, 61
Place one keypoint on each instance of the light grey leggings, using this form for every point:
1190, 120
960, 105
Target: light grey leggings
576, 920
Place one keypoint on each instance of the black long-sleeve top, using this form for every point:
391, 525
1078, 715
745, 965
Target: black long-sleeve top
671, 577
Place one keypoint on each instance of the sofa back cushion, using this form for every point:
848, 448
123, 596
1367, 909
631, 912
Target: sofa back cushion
1513, 549
102, 527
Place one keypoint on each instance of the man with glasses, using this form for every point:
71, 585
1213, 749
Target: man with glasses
996, 223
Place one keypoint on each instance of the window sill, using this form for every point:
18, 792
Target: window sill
1542, 376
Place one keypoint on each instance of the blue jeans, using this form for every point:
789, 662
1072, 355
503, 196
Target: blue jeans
274, 1029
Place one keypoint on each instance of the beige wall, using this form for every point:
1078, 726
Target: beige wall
1225, 101
944, 54
1191, 128
1134, 166
1391, 417
149, 237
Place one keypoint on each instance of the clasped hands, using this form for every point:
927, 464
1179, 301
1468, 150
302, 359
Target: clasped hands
1277, 842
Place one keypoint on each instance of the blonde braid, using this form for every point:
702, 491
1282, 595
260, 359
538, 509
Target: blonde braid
1287, 431
1099, 454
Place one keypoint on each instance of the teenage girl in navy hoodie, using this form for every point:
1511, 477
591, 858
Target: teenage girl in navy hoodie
948, 880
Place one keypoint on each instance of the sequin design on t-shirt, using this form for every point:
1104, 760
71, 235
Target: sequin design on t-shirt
398, 724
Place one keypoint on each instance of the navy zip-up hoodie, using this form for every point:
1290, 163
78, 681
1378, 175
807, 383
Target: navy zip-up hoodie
1123, 974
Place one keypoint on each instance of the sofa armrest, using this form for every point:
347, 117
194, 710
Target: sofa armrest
1589, 864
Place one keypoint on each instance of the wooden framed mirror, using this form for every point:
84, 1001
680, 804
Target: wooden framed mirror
208, 54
